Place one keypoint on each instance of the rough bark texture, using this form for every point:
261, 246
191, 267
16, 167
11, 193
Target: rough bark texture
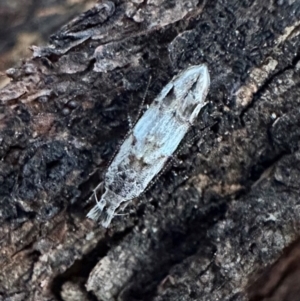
209, 225
27, 22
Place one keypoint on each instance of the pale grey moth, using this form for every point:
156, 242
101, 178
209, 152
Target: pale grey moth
152, 141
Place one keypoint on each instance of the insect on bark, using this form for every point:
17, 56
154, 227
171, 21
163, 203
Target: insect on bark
152, 141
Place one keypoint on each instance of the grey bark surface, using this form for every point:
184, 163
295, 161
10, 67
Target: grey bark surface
207, 226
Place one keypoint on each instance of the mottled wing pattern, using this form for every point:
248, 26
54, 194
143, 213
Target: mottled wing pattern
154, 139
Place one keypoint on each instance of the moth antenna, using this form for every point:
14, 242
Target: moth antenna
131, 123
193, 139
129, 120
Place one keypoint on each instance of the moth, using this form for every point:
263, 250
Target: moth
152, 141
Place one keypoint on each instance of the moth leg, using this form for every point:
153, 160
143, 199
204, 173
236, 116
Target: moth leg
122, 209
105, 209
121, 214
123, 206
108, 215
99, 186
96, 189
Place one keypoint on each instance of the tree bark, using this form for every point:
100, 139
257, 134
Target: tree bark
208, 226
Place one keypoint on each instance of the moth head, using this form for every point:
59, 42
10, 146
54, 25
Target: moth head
191, 88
